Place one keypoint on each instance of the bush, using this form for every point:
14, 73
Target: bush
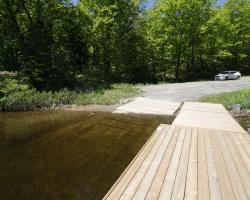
17, 96
10, 86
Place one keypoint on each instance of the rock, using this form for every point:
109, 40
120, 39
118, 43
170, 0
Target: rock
124, 101
236, 108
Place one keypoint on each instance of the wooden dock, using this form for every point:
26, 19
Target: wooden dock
203, 155
207, 115
180, 162
143, 105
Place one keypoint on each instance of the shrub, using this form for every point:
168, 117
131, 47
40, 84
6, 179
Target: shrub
10, 86
17, 96
64, 96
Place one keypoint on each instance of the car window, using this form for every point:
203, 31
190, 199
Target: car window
225, 72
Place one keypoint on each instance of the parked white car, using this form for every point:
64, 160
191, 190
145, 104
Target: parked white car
228, 75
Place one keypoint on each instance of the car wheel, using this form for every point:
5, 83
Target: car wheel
226, 78
238, 77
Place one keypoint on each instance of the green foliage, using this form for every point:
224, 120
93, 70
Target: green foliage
17, 96
193, 39
53, 44
10, 86
228, 99
107, 96
34, 100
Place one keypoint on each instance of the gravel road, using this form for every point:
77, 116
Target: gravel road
180, 92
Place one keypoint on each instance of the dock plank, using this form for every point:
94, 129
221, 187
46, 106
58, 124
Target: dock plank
208, 116
212, 171
192, 174
180, 181
143, 105
221, 168
203, 185
242, 149
168, 184
139, 175
150, 174
180, 162
156, 184
121, 184
242, 168
237, 185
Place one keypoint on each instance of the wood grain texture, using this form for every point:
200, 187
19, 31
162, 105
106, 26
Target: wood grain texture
180, 162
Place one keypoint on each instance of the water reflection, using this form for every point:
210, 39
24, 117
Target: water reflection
67, 155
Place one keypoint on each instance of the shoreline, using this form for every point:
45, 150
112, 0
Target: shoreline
243, 113
112, 107
88, 108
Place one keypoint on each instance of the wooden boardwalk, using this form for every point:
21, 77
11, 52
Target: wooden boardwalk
207, 115
143, 105
181, 162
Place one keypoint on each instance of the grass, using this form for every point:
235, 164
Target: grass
228, 99
16, 96
107, 96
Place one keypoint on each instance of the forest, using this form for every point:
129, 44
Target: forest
50, 45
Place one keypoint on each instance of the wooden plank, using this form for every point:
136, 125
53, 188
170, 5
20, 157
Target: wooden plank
127, 175
208, 120
158, 180
140, 109
168, 184
192, 174
187, 163
150, 174
212, 172
180, 181
149, 106
208, 116
203, 186
224, 180
242, 150
247, 138
240, 165
244, 143
210, 107
237, 186
138, 176
157, 103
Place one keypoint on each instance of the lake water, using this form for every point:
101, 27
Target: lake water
67, 155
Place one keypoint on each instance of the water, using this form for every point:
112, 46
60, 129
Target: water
67, 155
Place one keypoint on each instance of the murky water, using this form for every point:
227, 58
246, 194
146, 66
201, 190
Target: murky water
67, 155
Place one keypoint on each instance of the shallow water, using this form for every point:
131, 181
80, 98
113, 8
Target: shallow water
67, 155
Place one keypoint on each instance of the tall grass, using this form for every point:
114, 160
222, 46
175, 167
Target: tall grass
228, 99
